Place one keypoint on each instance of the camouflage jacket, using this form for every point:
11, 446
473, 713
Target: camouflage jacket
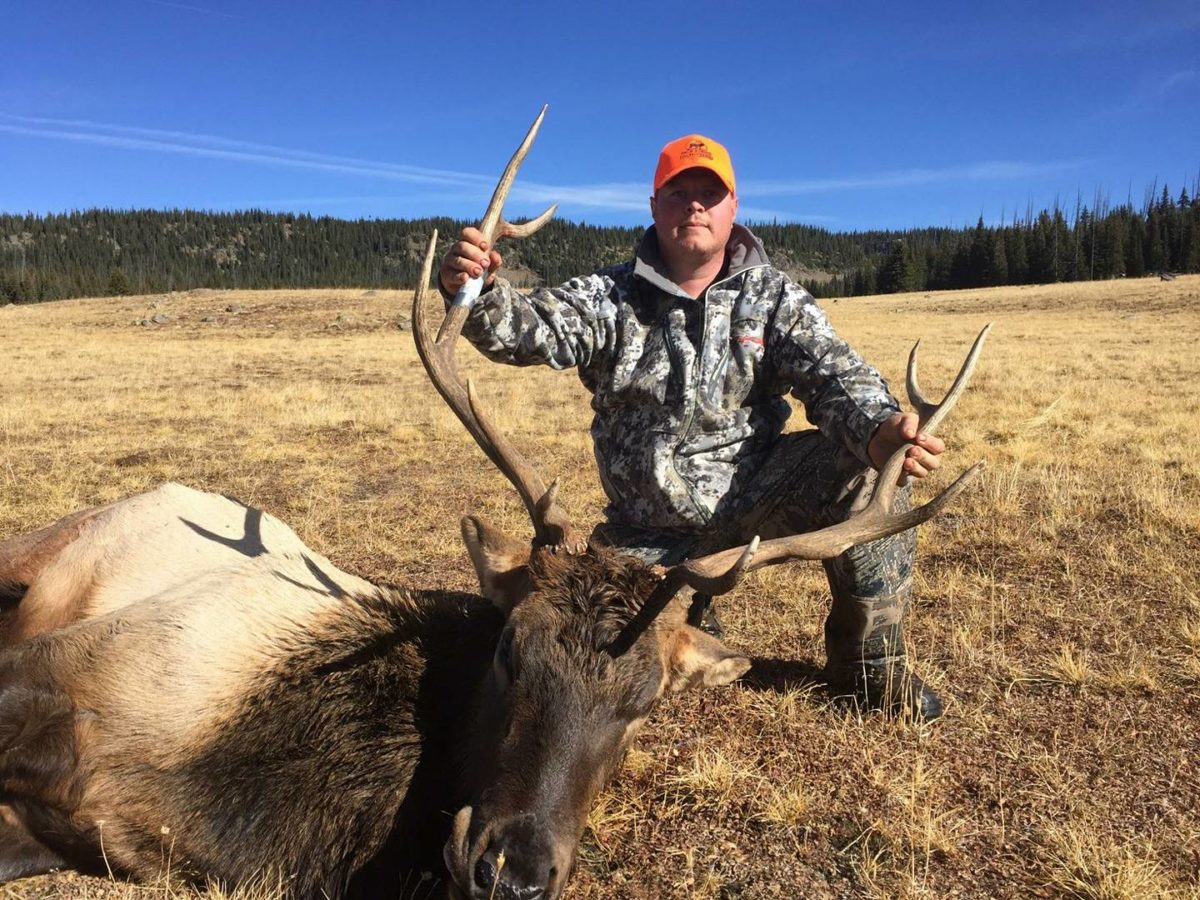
688, 394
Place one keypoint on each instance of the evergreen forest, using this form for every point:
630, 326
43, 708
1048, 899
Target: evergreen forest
105, 252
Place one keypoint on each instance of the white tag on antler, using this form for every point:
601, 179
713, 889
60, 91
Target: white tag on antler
469, 292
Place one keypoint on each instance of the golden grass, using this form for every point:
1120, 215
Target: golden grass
1057, 605
1078, 863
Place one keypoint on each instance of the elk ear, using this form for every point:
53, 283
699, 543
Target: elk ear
501, 562
700, 659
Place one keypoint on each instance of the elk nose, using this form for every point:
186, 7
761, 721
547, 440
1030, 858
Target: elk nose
504, 881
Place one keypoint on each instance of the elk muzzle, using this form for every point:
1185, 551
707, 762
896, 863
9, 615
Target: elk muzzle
514, 858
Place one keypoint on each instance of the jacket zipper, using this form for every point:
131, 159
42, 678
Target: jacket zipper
691, 395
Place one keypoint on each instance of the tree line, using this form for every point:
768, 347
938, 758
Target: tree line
102, 252
1097, 242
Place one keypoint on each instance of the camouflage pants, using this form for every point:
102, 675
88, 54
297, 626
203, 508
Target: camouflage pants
808, 482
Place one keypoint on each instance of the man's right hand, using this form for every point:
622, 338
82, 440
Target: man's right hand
467, 259
904, 428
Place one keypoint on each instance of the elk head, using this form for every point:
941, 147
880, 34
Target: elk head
592, 639
558, 709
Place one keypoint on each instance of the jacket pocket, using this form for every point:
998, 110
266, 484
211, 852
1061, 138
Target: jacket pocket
747, 347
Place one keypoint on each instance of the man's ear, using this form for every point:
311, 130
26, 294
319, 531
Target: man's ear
501, 562
697, 658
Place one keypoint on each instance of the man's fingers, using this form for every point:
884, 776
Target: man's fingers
931, 443
919, 462
469, 251
467, 264
467, 258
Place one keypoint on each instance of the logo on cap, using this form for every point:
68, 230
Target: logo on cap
695, 150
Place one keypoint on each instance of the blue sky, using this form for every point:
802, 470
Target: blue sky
843, 115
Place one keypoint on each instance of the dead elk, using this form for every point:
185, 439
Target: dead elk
230, 701
186, 684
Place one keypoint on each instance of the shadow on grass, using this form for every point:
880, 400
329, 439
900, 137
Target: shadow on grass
782, 675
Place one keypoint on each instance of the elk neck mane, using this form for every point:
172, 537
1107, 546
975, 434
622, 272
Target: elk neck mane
596, 592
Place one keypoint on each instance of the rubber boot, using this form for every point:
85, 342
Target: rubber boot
884, 683
864, 638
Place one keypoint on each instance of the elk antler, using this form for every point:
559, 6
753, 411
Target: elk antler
931, 414
493, 227
720, 572
551, 523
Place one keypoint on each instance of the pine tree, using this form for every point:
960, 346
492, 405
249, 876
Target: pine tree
1018, 261
1112, 263
1041, 256
1135, 252
896, 275
119, 284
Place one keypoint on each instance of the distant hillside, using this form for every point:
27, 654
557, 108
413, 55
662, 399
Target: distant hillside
110, 252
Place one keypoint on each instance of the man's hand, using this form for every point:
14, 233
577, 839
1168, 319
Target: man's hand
899, 430
466, 260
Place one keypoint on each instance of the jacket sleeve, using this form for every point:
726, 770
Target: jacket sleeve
842, 395
560, 327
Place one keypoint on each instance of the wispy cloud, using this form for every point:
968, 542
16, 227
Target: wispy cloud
213, 147
1148, 96
993, 170
470, 186
1174, 80
190, 8
624, 196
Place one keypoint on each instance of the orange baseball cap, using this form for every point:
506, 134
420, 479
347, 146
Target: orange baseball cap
694, 151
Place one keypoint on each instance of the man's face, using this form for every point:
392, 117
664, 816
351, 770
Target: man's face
693, 215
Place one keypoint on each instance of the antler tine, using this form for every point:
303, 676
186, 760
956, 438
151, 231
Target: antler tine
492, 221
493, 228
525, 229
714, 582
714, 574
551, 523
931, 414
875, 522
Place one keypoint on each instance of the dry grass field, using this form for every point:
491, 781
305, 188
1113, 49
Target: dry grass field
1057, 611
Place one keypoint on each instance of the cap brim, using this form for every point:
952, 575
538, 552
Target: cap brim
671, 173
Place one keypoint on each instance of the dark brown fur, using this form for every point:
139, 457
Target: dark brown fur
345, 756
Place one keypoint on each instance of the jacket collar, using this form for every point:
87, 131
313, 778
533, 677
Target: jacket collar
744, 251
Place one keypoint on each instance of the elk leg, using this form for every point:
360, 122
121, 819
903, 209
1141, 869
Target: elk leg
25, 609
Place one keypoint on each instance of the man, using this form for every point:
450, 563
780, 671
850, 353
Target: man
688, 350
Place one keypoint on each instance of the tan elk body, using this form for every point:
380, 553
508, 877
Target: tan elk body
184, 683
231, 700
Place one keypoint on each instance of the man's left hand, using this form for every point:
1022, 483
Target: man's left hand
900, 429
